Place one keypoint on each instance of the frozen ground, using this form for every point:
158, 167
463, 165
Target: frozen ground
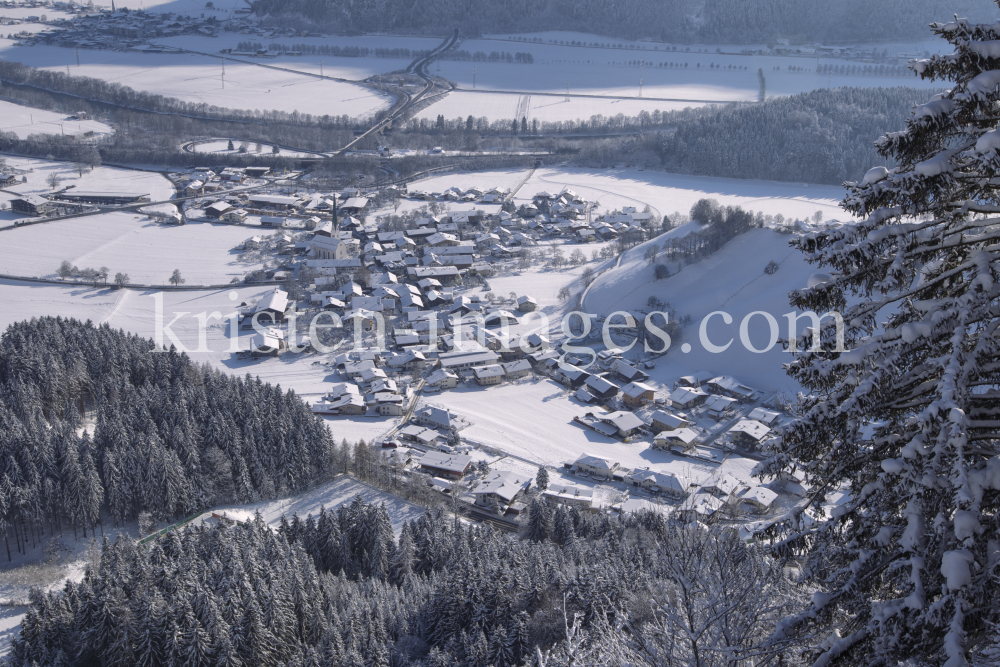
543, 108
616, 72
330, 495
131, 243
24, 121
666, 193
731, 280
196, 78
101, 179
222, 147
31, 570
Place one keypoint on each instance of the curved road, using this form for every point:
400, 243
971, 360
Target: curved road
418, 67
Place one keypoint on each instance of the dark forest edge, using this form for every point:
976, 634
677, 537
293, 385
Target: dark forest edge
713, 21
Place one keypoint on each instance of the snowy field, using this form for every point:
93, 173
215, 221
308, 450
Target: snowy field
532, 421
616, 72
24, 121
543, 108
101, 179
196, 78
221, 147
331, 495
666, 192
129, 242
730, 280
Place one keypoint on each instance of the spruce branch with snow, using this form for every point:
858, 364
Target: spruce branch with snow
908, 419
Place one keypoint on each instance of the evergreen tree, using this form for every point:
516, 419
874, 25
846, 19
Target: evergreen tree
904, 419
542, 478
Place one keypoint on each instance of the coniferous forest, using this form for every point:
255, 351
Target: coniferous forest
163, 435
711, 21
338, 590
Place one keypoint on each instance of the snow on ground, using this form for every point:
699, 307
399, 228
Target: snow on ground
730, 280
707, 76
666, 192
128, 242
502, 178
24, 121
330, 495
197, 78
543, 108
222, 147
101, 179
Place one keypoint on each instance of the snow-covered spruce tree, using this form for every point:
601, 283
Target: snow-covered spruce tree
908, 420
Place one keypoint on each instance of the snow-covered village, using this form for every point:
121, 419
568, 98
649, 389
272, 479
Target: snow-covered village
499, 335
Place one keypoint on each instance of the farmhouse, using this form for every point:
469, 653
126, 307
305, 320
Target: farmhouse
31, 205
435, 418
269, 343
526, 304
758, 498
517, 369
354, 206
627, 371
450, 466
270, 310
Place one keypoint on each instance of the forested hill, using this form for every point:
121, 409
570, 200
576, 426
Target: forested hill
338, 590
169, 437
824, 136
725, 21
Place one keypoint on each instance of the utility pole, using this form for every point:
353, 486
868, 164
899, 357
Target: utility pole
640, 78
473, 77
78, 57
567, 91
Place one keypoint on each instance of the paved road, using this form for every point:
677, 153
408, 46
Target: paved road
418, 67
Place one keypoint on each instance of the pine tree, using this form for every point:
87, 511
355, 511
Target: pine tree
905, 418
542, 479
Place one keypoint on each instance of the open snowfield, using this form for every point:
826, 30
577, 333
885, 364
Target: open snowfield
731, 280
221, 147
666, 193
543, 108
24, 121
196, 78
331, 495
533, 421
501, 178
616, 72
129, 242
101, 179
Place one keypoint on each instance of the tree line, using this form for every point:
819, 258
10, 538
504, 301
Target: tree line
97, 425
339, 589
716, 21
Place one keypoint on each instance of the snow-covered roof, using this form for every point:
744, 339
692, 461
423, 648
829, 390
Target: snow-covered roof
759, 495
504, 483
685, 435
751, 427
685, 395
622, 420
717, 403
636, 389
667, 419
763, 416
596, 462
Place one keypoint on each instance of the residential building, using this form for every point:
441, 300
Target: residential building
665, 421
596, 465
432, 417
679, 437
502, 487
748, 433
718, 405
454, 361
441, 379
517, 369
688, 397
636, 394
571, 496
658, 482
526, 304
624, 423
487, 375
449, 466
730, 387
31, 205
601, 388
758, 499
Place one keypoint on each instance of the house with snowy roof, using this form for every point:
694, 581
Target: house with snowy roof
658, 482
748, 433
449, 466
502, 487
598, 466
665, 421
681, 438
